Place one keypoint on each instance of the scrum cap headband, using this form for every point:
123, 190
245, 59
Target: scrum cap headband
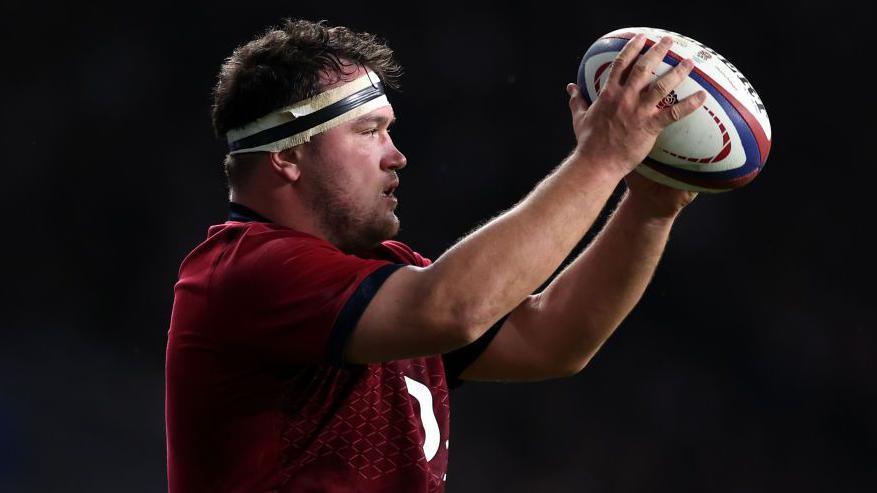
296, 124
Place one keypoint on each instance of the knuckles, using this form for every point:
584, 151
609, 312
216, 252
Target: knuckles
660, 88
609, 92
639, 69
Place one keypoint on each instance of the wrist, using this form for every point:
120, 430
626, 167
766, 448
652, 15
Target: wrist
599, 167
646, 212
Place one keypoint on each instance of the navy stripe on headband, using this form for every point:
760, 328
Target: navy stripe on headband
309, 121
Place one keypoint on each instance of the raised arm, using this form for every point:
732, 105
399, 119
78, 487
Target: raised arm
555, 333
420, 311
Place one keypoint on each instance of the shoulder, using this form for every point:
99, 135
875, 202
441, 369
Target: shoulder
257, 244
250, 252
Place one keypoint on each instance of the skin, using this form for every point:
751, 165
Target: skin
353, 202
336, 186
495, 270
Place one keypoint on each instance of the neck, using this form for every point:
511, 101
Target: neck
282, 208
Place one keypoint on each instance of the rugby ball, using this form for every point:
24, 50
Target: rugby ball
722, 145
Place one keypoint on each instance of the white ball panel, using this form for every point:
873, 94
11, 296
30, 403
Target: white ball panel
663, 179
712, 64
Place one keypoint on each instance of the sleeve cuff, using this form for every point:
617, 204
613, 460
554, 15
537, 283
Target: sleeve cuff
458, 360
353, 310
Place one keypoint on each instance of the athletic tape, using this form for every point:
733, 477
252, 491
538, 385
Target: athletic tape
297, 123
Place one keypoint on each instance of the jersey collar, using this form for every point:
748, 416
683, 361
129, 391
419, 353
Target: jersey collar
243, 214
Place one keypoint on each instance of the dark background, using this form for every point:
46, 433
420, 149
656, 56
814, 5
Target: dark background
748, 366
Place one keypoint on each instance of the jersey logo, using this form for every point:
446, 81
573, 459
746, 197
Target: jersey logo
427, 417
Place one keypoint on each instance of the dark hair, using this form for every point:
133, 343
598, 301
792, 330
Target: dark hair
283, 65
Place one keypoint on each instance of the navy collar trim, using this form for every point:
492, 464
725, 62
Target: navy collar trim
243, 214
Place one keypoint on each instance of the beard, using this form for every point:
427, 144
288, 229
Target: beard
352, 227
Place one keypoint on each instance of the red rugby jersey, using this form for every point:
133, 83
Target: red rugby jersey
258, 397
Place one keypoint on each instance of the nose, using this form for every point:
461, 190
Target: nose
393, 158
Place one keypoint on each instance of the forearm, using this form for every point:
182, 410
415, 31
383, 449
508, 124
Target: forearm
581, 308
488, 273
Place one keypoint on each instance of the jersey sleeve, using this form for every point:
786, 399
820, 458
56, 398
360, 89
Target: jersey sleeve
294, 300
458, 360
399, 250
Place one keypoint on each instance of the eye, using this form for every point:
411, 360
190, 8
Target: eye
370, 132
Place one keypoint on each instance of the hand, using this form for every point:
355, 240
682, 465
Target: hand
655, 200
621, 127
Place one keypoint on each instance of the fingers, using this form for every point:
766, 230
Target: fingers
669, 81
642, 70
627, 55
680, 110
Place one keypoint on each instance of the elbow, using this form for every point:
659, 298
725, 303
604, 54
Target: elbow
570, 368
577, 354
462, 308
452, 325
460, 319
571, 359
466, 325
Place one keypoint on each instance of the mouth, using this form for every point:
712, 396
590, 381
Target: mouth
388, 191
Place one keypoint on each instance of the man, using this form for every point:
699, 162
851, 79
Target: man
308, 352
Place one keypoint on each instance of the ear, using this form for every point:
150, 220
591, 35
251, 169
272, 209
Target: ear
286, 163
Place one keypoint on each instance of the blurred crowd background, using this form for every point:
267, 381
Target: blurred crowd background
748, 366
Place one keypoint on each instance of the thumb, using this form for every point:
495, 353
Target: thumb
576, 101
571, 89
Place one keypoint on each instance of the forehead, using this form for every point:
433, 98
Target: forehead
380, 116
330, 78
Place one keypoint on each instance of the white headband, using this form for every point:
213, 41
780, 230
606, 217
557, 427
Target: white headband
296, 124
